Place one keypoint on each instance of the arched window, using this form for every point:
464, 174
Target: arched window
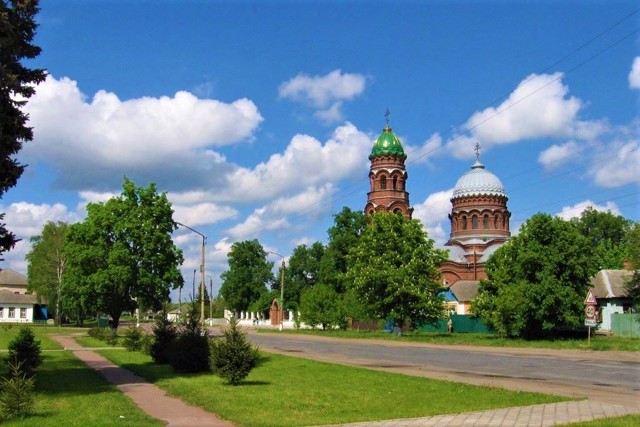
485, 222
464, 222
383, 183
395, 182
495, 222
474, 222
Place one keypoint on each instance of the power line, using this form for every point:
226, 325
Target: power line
356, 186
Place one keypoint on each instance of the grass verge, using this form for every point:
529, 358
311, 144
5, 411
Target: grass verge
288, 391
70, 394
598, 342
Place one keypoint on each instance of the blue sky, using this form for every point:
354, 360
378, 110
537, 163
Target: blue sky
257, 118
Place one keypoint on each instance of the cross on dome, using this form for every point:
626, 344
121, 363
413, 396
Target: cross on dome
477, 150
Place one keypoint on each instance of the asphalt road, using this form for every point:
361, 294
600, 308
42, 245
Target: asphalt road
613, 377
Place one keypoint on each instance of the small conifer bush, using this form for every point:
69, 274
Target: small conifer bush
134, 339
24, 352
233, 356
164, 334
16, 392
190, 350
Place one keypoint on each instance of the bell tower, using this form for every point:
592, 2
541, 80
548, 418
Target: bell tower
388, 175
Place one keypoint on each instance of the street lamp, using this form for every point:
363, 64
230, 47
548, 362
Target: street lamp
204, 238
281, 290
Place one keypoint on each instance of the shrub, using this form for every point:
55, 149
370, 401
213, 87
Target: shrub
233, 356
108, 335
190, 350
16, 397
164, 335
134, 339
24, 352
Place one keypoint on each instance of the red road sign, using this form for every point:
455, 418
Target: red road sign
591, 298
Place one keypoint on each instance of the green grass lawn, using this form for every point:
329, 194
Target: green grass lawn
68, 393
598, 342
287, 391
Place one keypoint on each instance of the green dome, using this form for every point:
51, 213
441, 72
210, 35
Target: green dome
387, 144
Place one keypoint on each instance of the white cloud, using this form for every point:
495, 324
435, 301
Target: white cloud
202, 214
433, 213
332, 114
576, 210
260, 220
621, 168
538, 108
634, 74
89, 141
26, 220
324, 93
306, 162
557, 155
321, 91
308, 204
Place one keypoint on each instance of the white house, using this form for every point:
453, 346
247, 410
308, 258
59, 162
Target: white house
611, 294
18, 308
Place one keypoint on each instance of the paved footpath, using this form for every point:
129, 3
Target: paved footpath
549, 414
148, 397
174, 412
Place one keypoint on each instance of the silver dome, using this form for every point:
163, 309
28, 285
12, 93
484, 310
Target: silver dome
478, 181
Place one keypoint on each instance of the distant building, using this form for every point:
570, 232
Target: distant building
16, 305
611, 295
388, 176
479, 215
479, 224
13, 281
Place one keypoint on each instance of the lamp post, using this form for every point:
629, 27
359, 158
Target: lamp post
204, 238
281, 290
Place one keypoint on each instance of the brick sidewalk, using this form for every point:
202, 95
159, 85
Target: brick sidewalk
148, 397
549, 414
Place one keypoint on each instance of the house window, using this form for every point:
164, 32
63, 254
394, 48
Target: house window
23, 313
474, 222
383, 183
12, 312
1, 312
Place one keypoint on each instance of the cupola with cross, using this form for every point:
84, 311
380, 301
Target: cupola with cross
479, 223
388, 175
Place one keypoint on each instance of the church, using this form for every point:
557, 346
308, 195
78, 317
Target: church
479, 217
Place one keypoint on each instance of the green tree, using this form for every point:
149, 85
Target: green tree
393, 268
322, 305
537, 281
301, 273
46, 264
125, 250
80, 297
632, 242
17, 85
343, 235
248, 277
606, 233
